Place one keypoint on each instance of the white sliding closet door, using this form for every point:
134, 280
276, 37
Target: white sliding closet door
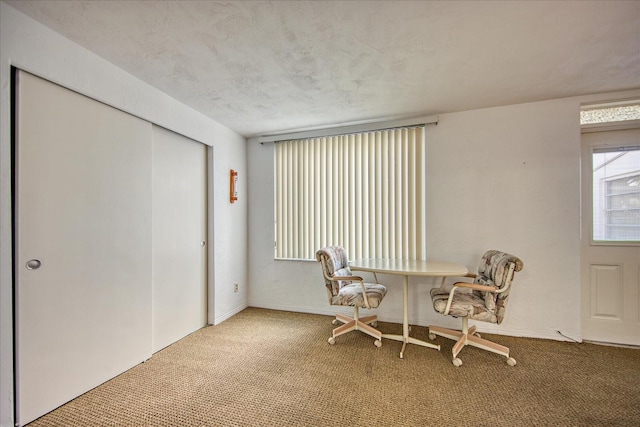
179, 237
83, 244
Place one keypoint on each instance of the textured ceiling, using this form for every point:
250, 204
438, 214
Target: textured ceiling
270, 66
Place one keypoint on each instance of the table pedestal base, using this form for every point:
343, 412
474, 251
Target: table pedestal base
408, 268
409, 340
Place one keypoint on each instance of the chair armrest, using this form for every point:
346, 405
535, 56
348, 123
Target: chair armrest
470, 275
444, 279
458, 285
356, 279
348, 278
364, 294
449, 300
475, 286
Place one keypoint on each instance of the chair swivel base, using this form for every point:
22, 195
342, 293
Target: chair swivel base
356, 324
472, 338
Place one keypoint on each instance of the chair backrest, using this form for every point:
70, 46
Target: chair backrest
334, 263
497, 269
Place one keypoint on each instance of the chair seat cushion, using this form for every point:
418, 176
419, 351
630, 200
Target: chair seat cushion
464, 304
351, 295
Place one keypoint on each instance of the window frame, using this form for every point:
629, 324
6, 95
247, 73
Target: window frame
603, 195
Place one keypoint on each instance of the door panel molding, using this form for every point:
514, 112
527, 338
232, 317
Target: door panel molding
606, 291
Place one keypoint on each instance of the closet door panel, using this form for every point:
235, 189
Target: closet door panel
179, 237
83, 244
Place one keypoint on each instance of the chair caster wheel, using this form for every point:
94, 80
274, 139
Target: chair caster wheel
432, 336
332, 340
377, 343
334, 322
478, 335
374, 323
457, 362
511, 361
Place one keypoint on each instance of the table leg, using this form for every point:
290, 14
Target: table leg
405, 319
405, 338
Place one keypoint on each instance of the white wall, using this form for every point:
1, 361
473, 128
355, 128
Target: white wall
505, 178
32, 47
508, 178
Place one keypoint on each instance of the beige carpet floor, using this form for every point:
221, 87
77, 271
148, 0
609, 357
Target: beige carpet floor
275, 368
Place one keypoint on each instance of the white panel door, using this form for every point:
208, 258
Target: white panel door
179, 237
611, 237
83, 245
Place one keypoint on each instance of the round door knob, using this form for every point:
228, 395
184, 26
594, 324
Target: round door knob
33, 264
203, 243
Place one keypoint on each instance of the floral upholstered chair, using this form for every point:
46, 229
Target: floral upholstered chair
485, 300
347, 290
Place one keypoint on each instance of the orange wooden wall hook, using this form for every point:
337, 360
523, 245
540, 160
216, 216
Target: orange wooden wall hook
233, 181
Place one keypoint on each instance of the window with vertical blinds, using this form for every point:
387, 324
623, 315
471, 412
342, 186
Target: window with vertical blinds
364, 191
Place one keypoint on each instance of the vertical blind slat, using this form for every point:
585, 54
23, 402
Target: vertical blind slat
364, 191
379, 195
387, 197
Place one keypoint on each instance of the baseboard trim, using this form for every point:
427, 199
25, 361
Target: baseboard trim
446, 321
227, 315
